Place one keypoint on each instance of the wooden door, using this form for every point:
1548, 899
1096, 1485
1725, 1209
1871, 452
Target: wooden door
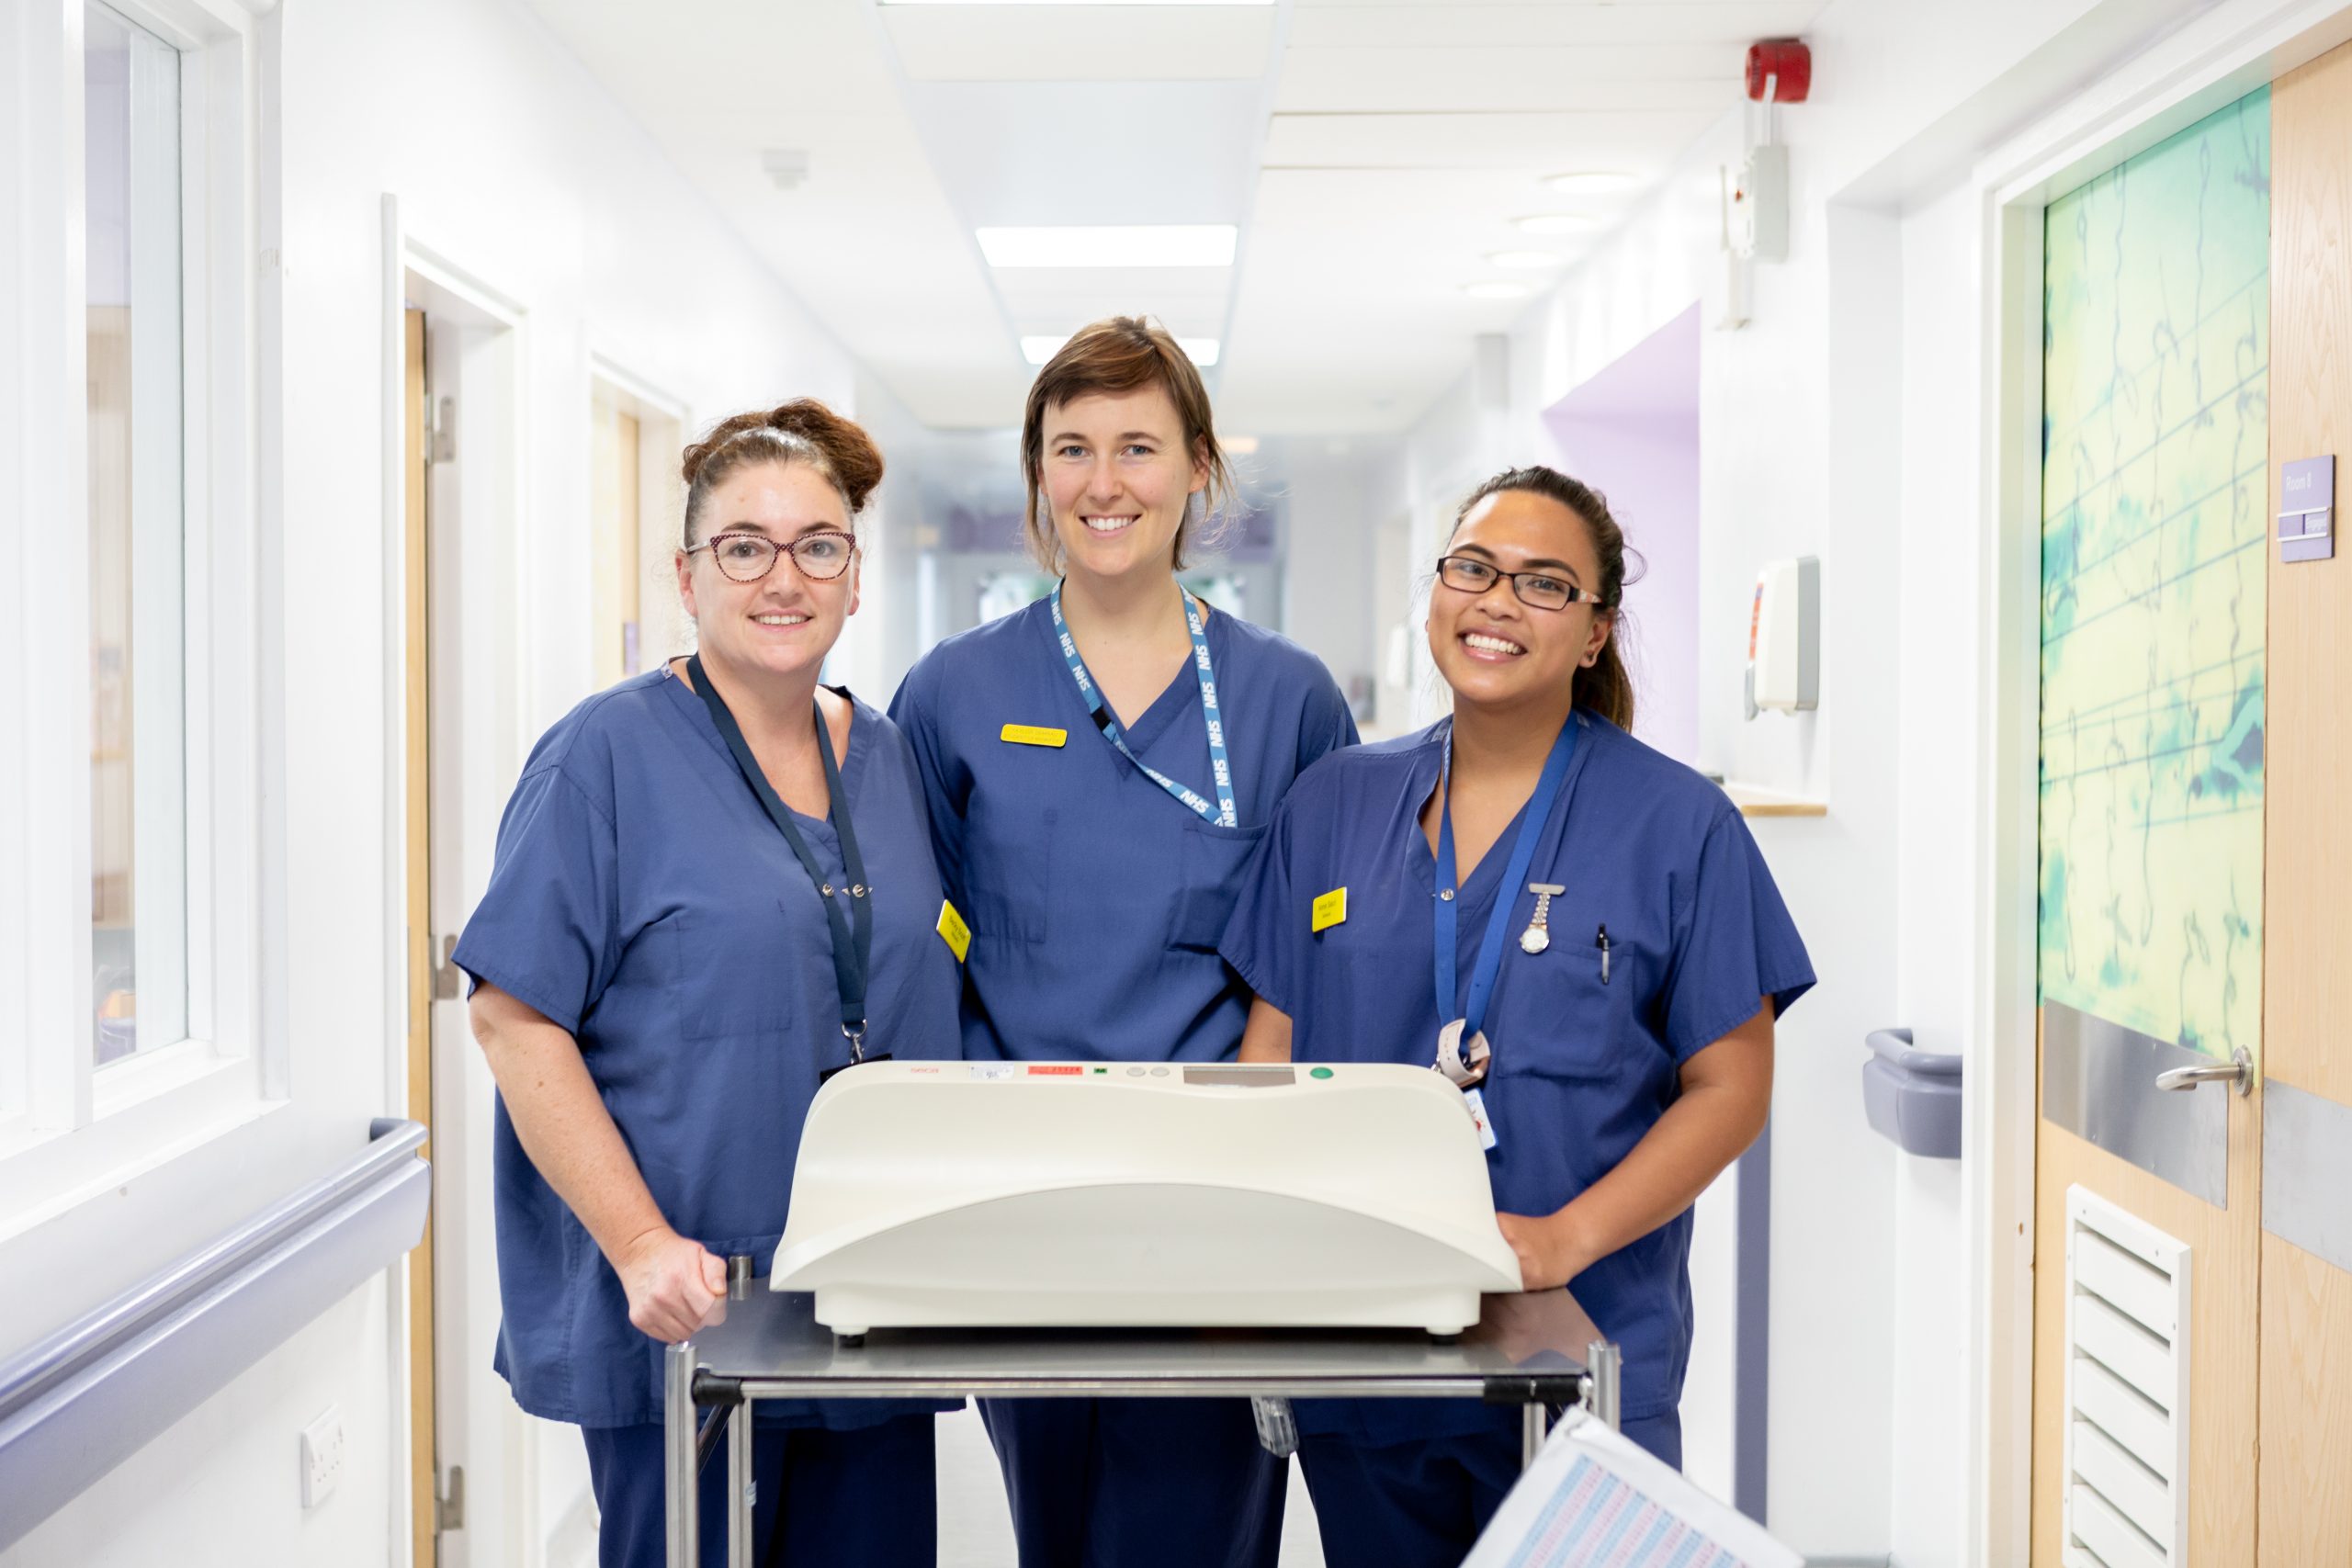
2306, 1339
416, 795
2152, 917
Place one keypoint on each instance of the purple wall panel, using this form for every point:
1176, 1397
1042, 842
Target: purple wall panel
1631, 432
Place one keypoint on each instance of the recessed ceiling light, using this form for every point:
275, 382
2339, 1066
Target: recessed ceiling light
1555, 223
1495, 290
1201, 350
1240, 446
1136, 245
1524, 261
1592, 182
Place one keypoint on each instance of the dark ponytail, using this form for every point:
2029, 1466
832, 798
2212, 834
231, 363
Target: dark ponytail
802, 431
1607, 688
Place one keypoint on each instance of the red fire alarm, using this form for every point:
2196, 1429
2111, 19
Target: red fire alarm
1785, 59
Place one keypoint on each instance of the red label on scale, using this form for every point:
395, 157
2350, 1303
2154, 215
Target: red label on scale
1058, 1070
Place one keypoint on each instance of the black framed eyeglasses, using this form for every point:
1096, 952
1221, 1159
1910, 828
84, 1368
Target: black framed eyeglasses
1536, 590
747, 557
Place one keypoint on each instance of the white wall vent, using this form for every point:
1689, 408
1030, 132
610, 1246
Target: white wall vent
2126, 1452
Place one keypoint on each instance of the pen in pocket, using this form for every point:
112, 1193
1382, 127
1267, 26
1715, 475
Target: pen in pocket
1600, 940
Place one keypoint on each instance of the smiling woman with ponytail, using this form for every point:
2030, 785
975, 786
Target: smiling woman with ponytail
685, 857
1578, 932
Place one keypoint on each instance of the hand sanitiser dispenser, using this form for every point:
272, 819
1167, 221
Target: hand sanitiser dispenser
1109, 1194
1784, 638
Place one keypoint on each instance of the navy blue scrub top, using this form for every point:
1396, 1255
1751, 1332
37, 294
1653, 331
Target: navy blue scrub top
1581, 1069
642, 900
1096, 898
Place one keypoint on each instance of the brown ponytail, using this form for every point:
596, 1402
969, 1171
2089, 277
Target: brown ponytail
802, 431
1607, 688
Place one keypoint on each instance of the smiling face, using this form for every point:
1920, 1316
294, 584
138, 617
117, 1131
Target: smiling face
783, 625
1495, 651
1116, 478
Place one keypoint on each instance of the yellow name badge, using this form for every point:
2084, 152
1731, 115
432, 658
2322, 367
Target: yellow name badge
953, 931
1035, 735
1331, 909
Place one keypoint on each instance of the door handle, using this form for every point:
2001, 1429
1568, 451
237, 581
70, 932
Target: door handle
2238, 1071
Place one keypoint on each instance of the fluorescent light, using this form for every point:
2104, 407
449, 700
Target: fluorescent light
1137, 244
1555, 223
1495, 290
1201, 350
1524, 261
1240, 446
1592, 182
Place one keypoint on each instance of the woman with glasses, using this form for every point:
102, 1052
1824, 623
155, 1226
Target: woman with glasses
1578, 932
713, 886
1100, 767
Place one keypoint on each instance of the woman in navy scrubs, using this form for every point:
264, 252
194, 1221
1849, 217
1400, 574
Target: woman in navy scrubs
1100, 765
713, 885
1579, 932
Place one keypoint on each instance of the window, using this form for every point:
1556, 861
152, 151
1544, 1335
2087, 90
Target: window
132, 176
134, 782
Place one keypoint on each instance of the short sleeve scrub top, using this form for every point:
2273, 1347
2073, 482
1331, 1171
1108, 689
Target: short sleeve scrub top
642, 900
1668, 933
1096, 898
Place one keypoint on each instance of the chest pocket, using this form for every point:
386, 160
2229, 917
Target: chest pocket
1210, 863
741, 971
1559, 1018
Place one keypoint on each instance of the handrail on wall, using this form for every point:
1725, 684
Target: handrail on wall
81, 1401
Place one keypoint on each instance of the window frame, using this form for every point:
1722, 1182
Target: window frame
68, 1128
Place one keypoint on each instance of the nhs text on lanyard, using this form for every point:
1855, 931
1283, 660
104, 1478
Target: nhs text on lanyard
1223, 813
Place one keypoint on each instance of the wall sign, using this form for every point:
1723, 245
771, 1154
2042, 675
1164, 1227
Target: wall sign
2307, 509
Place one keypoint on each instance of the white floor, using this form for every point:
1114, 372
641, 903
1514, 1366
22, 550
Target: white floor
976, 1525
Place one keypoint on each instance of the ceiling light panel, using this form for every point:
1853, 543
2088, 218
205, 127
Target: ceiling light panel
1138, 244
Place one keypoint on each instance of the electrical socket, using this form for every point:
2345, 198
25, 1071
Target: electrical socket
322, 1456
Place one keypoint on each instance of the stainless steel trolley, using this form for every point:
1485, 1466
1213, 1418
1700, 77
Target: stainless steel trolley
1534, 1351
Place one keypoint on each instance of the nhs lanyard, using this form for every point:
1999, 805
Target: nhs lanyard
1223, 813
852, 950
1523, 853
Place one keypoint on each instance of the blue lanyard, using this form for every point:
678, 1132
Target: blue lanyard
1223, 813
1523, 853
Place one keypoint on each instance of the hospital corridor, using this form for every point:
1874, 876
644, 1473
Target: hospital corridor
1175, 784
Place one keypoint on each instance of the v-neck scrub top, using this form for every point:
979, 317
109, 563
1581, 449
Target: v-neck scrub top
1095, 899
1582, 1070
642, 901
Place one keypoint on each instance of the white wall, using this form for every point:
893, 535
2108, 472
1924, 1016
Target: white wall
512, 164
1845, 421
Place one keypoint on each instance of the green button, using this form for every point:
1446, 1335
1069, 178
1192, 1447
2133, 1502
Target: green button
1318, 1072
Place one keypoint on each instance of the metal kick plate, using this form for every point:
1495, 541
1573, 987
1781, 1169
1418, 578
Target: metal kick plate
2307, 1171
2098, 1081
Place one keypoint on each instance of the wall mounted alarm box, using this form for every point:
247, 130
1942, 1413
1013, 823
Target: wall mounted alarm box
1784, 638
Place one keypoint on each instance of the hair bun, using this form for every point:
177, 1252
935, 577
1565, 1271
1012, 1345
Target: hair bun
857, 462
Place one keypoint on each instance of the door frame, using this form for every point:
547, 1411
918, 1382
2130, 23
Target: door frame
501, 666
2212, 61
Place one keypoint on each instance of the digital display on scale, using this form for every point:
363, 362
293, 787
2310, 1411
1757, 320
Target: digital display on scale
1240, 1075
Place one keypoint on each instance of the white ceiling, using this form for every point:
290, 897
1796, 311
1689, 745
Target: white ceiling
1373, 153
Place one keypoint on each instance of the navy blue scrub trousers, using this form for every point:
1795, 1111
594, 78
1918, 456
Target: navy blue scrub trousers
1139, 1483
1422, 1504
863, 1498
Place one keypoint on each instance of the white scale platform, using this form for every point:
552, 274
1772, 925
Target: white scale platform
1063, 1194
